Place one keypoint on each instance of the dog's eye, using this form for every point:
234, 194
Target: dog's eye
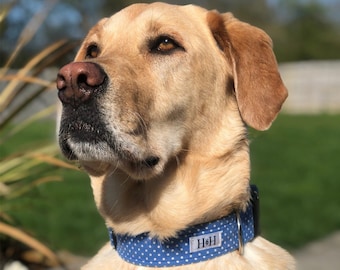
92, 51
164, 45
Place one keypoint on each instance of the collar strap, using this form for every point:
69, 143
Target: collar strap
195, 244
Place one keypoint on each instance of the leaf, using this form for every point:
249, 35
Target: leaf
21, 189
29, 31
20, 126
10, 91
27, 79
30, 241
5, 8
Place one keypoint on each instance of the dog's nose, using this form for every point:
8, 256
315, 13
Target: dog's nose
78, 81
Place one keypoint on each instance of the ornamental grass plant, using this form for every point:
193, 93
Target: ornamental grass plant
34, 163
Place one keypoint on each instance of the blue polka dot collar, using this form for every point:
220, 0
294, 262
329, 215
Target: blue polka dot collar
195, 244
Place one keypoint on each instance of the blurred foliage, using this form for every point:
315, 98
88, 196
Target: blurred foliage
25, 168
301, 30
308, 34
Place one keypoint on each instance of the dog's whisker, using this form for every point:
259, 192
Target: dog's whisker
126, 180
141, 124
113, 170
177, 161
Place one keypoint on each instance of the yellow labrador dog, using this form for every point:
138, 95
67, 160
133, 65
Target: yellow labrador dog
155, 108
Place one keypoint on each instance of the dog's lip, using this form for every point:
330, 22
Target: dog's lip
67, 151
151, 161
89, 143
142, 169
132, 163
97, 168
136, 169
147, 163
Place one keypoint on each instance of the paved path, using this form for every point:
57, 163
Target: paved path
320, 255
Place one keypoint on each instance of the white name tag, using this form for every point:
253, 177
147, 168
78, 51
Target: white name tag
206, 241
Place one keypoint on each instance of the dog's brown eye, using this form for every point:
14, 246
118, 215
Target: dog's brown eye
92, 51
164, 45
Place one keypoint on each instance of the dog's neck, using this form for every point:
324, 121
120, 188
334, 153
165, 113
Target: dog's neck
195, 187
200, 191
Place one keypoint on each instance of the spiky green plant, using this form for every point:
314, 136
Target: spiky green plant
19, 170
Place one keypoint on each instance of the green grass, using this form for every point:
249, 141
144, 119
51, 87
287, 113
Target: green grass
295, 165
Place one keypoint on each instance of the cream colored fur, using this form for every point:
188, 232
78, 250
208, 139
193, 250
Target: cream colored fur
191, 107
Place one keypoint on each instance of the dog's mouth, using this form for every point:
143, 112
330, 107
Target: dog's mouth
91, 144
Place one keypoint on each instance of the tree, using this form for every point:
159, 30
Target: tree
308, 33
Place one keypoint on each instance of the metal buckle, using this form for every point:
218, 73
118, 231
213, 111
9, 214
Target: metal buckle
240, 236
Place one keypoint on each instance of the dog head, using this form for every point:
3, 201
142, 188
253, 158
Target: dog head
154, 81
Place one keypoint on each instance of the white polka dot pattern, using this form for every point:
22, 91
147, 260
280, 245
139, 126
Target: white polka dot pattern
145, 251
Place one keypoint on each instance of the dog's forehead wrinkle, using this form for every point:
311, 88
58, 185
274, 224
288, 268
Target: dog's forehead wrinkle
154, 16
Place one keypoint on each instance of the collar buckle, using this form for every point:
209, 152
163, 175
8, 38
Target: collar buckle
239, 233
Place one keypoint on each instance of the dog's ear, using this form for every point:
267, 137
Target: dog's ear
259, 89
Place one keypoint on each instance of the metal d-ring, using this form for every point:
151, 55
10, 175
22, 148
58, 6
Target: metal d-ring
240, 236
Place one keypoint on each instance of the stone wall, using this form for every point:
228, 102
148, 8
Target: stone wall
314, 86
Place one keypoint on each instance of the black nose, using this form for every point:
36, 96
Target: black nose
78, 81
